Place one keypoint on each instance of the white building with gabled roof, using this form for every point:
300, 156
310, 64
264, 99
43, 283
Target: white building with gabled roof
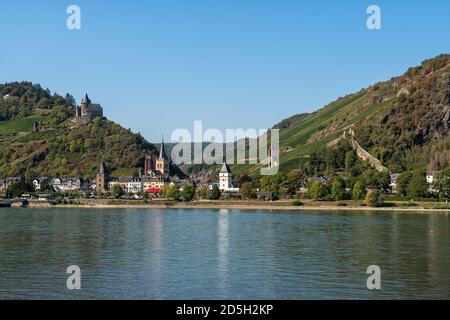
226, 179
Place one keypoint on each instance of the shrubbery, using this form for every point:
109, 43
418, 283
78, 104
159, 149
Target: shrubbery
374, 198
296, 203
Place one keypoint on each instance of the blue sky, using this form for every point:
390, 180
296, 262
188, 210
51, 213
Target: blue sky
159, 65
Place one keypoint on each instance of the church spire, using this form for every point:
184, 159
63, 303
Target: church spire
101, 169
162, 163
162, 150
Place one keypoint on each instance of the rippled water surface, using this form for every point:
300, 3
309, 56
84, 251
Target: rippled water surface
226, 254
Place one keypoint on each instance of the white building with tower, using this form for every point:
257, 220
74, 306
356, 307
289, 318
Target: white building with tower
226, 179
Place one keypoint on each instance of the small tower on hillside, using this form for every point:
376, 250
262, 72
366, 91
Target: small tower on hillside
100, 178
162, 163
225, 178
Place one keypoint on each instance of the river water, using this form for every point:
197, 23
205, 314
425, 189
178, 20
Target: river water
222, 254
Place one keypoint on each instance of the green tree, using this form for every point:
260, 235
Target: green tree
248, 191
350, 160
273, 184
402, 182
418, 186
317, 191
202, 193
188, 193
294, 180
358, 192
214, 193
376, 180
44, 103
117, 191
16, 189
337, 189
374, 198
173, 192
442, 183
243, 178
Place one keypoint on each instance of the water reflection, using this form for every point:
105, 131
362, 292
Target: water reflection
155, 260
177, 254
223, 245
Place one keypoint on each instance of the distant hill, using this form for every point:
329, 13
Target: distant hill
404, 122
58, 147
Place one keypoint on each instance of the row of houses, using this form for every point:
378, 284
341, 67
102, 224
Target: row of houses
76, 184
154, 183
56, 184
146, 183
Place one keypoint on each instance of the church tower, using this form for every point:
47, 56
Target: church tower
100, 178
225, 178
162, 163
149, 164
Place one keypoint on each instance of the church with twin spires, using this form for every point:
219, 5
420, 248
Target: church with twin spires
157, 165
156, 175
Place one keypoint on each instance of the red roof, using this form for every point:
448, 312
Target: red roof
153, 190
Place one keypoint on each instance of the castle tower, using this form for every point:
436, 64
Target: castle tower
100, 179
85, 103
162, 163
225, 178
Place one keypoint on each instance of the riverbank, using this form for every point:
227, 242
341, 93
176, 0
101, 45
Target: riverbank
282, 205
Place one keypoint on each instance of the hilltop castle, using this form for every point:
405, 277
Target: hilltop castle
87, 111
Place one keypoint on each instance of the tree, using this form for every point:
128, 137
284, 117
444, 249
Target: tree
188, 193
202, 193
402, 182
273, 183
173, 192
165, 190
248, 191
117, 191
337, 189
374, 198
294, 180
44, 103
418, 186
376, 180
16, 189
317, 191
350, 160
358, 192
383, 180
442, 183
70, 100
214, 193
243, 178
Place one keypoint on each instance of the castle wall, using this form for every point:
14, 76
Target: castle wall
363, 153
